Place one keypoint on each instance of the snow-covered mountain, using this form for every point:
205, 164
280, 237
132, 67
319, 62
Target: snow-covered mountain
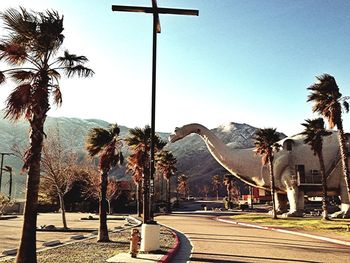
193, 158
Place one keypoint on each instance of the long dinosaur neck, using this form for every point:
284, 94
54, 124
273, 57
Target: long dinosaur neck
227, 157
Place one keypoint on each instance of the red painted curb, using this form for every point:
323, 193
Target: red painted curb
166, 258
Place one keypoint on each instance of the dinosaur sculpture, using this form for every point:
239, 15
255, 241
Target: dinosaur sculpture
295, 168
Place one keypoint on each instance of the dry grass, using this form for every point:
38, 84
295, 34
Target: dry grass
91, 251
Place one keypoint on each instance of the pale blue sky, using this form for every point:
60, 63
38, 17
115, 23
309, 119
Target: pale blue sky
241, 61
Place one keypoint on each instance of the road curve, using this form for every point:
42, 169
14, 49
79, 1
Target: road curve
212, 241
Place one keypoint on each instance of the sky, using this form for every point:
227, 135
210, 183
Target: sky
238, 61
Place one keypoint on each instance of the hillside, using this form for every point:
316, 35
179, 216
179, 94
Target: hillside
193, 157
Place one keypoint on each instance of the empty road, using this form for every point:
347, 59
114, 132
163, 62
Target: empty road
214, 241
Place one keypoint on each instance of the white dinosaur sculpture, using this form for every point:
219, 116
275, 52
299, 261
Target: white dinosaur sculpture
295, 168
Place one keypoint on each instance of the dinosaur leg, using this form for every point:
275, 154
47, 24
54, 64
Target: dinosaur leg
345, 203
281, 203
296, 202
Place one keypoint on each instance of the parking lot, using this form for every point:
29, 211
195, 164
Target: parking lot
11, 229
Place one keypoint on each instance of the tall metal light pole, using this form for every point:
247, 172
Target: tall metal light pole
1, 165
155, 10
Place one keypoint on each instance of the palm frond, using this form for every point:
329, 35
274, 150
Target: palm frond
57, 96
2, 77
18, 102
13, 53
54, 74
22, 75
265, 142
314, 132
96, 139
346, 106
20, 23
79, 70
69, 60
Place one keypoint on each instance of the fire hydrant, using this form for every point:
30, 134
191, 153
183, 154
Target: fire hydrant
134, 242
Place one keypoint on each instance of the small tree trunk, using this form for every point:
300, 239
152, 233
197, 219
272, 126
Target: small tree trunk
103, 230
217, 194
344, 159
324, 186
274, 216
109, 206
138, 199
168, 196
251, 196
63, 210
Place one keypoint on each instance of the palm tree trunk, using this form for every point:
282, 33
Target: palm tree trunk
27, 247
251, 196
344, 159
324, 186
217, 194
63, 210
168, 196
103, 230
10, 186
274, 216
138, 201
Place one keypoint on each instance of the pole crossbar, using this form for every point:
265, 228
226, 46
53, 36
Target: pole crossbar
150, 10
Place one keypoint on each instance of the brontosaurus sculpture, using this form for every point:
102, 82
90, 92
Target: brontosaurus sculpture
295, 168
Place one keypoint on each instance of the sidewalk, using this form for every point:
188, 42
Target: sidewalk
181, 253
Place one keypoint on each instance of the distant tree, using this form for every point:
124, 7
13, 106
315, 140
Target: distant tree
205, 191
228, 182
216, 182
182, 184
107, 144
139, 141
4, 203
265, 144
329, 103
59, 168
113, 192
314, 132
166, 164
134, 165
31, 48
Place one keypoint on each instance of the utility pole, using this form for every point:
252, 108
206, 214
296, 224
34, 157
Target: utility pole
155, 11
9, 170
1, 165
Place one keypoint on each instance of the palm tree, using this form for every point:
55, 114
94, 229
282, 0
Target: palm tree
265, 144
216, 182
31, 47
107, 144
329, 103
166, 165
182, 185
314, 132
139, 141
133, 166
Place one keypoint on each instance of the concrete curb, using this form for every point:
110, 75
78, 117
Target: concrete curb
171, 253
326, 239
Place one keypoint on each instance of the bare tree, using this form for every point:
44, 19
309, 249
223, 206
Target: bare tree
59, 169
92, 184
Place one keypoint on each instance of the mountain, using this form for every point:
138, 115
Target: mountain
193, 158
